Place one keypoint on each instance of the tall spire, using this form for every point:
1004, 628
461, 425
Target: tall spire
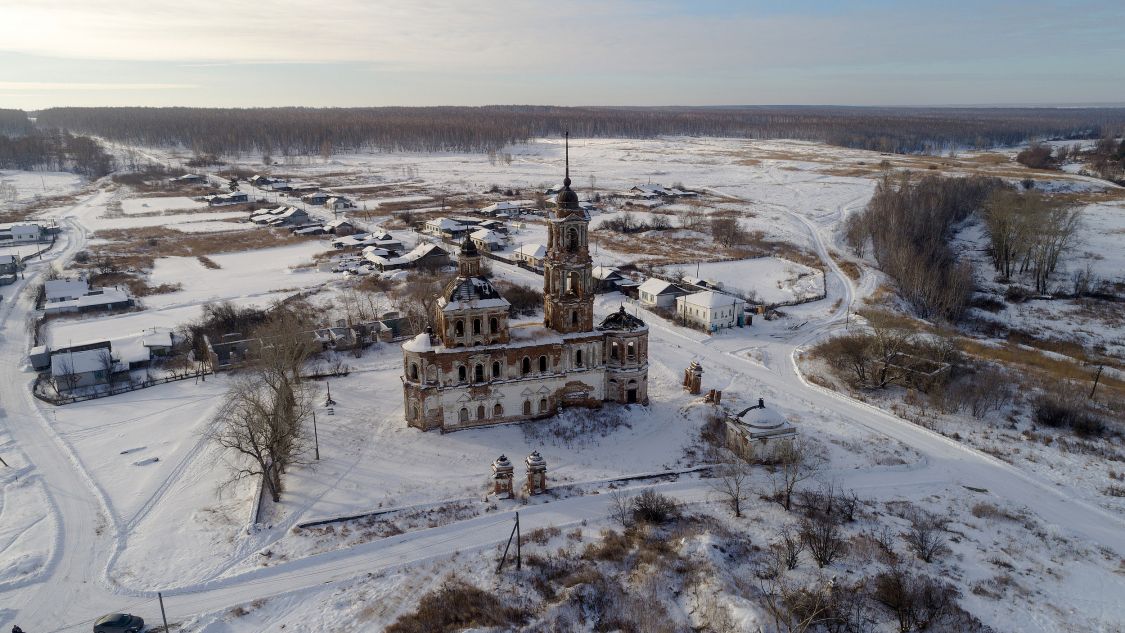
566, 141
567, 200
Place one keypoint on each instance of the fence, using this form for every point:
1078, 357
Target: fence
61, 400
39, 252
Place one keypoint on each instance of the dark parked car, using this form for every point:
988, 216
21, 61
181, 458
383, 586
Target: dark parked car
119, 623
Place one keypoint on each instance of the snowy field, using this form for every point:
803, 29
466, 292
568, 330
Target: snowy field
242, 275
135, 206
27, 186
771, 280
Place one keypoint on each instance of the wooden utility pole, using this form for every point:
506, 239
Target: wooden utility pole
162, 614
516, 535
316, 441
1096, 379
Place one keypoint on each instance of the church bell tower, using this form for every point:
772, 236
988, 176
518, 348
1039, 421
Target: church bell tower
568, 284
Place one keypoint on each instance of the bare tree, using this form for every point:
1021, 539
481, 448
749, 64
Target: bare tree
925, 536
787, 548
621, 508
821, 533
792, 608
66, 379
732, 482
107, 365
263, 428
794, 462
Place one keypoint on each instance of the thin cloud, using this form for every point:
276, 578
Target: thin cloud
21, 86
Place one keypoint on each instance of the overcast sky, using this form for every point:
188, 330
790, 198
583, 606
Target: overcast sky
562, 52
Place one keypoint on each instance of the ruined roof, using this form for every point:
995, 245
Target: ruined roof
470, 292
621, 320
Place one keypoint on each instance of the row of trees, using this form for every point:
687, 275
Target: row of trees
908, 223
1029, 233
54, 151
312, 131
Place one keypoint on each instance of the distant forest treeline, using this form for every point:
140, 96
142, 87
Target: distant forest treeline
304, 131
22, 146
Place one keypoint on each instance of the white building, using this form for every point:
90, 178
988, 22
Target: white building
64, 289
530, 254
657, 293
488, 240
71, 370
20, 233
711, 310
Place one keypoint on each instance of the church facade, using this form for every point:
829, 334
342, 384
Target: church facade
474, 369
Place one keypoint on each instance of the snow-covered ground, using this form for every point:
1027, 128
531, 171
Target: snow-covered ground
117, 498
771, 280
27, 186
240, 275
135, 206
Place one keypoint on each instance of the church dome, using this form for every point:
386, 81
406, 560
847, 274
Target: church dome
469, 247
566, 198
621, 321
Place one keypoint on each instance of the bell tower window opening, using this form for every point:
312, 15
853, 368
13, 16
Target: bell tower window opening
496, 369
572, 240
414, 371
493, 326
578, 358
459, 328
614, 353
526, 366
574, 317
631, 350
542, 364
476, 326
460, 373
478, 373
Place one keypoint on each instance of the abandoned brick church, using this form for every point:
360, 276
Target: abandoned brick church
477, 370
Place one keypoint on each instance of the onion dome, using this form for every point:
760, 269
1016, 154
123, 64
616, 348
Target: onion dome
469, 248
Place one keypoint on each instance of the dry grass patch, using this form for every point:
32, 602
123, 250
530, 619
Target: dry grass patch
137, 249
207, 262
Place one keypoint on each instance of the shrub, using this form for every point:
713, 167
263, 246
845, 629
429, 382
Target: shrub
652, 507
1053, 412
824, 538
925, 536
918, 602
456, 606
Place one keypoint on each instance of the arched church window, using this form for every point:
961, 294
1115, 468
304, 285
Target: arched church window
526, 366
574, 317
414, 371
463, 415
461, 373
478, 373
494, 325
496, 369
458, 328
572, 240
614, 352
476, 326
578, 358
527, 407
542, 363
480, 412
631, 350
542, 405
498, 410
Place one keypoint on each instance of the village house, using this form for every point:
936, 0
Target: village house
651, 191
10, 265
379, 239
505, 208
657, 293
189, 179
316, 198
494, 225
76, 295
340, 227
282, 216
224, 199
488, 240
72, 370
425, 255
606, 278
531, 255
477, 370
711, 311
339, 203
450, 228
20, 233
258, 180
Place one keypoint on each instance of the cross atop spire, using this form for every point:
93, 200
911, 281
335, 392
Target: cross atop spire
567, 200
